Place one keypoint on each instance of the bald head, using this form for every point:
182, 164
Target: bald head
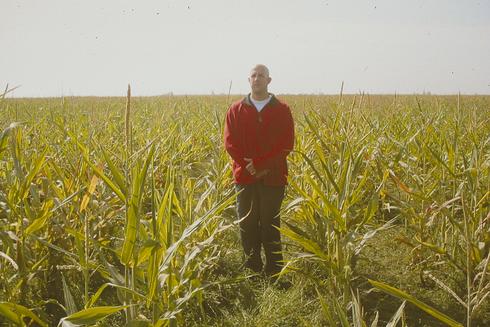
260, 68
259, 80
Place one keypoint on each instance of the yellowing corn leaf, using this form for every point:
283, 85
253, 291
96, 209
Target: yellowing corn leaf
90, 191
399, 183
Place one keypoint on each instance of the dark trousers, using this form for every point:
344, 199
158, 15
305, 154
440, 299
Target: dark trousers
259, 205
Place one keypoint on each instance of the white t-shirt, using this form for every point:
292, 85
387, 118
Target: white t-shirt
260, 104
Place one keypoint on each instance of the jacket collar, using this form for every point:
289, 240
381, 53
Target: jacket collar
248, 101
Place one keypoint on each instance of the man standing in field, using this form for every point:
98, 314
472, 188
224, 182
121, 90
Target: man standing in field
259, 134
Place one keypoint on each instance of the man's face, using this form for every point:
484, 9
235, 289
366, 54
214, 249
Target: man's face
259, 79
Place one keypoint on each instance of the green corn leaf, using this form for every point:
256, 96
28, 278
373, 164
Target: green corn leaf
97, 171
69, 199
345, 179
193, 228
312, 166
116, 172
314, 129
296, 229
15, 313
107, 180
162, 323
101, 289
319, 152
331, 178
371, 209
90, 316
360, 189
152, 272
307, 244
70, 304
440, 160
15, 141
325, 309
5, 134
130, 234
164, 216
358, 161
38, 164
432, 247
335, 213
132, 224
12, 316
308, 198
40, 222
421, 305
70, 255
341, 313
144, 172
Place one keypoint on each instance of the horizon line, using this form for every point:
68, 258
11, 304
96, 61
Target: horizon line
171, 94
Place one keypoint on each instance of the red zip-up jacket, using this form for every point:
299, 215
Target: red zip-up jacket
266, 137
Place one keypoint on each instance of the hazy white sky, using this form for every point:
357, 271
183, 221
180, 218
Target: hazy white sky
67, 47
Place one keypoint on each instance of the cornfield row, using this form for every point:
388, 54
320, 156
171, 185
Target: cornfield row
112, 206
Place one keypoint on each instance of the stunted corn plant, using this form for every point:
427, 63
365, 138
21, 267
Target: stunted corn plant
335, 199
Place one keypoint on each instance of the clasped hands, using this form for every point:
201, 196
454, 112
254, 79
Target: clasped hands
251, 169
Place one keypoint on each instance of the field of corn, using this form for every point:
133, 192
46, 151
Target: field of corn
121, 213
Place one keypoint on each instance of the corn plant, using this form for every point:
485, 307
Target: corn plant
122, 208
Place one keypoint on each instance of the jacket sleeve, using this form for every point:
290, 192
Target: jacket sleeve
231, 138
282, 146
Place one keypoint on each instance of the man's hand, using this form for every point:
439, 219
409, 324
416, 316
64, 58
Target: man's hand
251, 169
262, 173
250, 166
